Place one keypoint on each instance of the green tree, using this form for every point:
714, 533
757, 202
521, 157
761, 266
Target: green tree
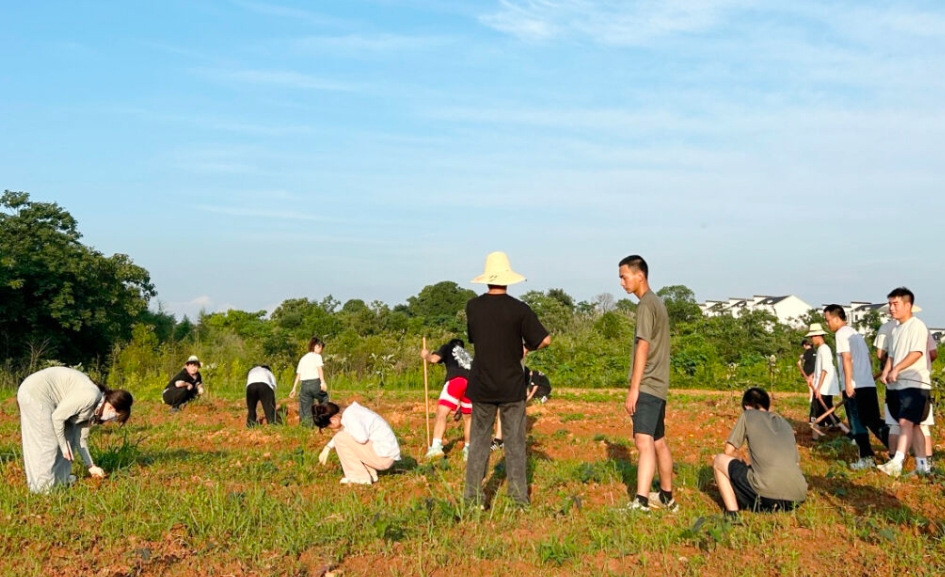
58, 296
440, 304
680, 304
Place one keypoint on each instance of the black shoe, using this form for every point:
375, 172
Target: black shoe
496, 445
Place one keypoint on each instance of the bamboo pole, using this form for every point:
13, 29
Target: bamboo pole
426, 393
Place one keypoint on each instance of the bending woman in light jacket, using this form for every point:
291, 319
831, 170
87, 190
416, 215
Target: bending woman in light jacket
364, 441
57, 407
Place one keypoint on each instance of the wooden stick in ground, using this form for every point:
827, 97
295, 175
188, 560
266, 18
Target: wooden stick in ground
426, 392
829, 412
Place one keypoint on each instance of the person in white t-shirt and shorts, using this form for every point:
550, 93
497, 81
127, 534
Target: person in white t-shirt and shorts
906, 374
881, 344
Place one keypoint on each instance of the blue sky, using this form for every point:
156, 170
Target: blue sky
249, 152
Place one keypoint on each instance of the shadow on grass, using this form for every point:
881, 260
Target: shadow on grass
619, 453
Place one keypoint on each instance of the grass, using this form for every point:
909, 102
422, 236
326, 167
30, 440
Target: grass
196, 492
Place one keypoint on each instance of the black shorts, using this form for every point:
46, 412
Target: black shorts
649, 416
909, 404
746, 496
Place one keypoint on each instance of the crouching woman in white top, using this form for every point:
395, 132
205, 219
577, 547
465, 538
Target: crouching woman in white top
57, 407
364, 441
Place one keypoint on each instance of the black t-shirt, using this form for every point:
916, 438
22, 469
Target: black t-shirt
457, 361
498, 325
183, 375
538, 380
809, 361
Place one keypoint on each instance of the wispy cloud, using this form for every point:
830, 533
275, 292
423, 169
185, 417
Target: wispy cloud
261, 213
296, 14
283, 78
611, 22
364, 43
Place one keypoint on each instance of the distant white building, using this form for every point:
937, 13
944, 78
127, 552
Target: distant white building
788, 309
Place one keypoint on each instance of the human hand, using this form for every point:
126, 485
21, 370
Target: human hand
851, 392
324, 387
199, 389
631, 403
892, 377
424, 353
323, 456
292, 394
96, 472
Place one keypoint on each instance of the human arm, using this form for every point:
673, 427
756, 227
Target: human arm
432, 358
730, 449
847, 361
295, 385
323, 456
640, 353
911, 358
80, 439
321, 377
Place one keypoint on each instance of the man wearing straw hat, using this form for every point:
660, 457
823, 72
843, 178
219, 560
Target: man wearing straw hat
502, 329
825, 384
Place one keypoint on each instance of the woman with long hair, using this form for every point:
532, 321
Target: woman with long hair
310, 373
57, 407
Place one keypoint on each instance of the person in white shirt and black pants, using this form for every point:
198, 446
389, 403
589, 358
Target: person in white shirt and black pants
260, 388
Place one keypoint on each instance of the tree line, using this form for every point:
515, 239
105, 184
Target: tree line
62, 301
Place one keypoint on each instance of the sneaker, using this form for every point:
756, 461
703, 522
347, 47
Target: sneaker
635, 506
919, 473
656, 503
496, 445
72, 479
435, 452
892, 468
347, 481
862, 464
465, 453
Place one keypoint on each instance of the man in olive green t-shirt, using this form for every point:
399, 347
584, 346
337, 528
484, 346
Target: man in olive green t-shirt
773, 481
649, 385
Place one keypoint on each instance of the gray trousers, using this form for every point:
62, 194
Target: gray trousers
480, 438
42, 458
310, 390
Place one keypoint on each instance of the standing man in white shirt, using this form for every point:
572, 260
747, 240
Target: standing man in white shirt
906, 372
858, 386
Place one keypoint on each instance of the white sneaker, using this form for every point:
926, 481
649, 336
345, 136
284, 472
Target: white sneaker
465, 453
635, 506
434, 452
347, 481
656, 503
862, 464
892, 468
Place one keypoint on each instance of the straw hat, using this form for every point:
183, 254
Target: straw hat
815, 330
193, 359
498, 271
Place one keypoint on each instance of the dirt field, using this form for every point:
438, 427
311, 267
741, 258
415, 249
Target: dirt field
197, 493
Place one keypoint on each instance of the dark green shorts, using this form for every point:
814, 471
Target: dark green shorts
649, 416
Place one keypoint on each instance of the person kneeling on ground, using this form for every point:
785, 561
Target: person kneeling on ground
185, 386
773, 481
453, 397
260, 388
364, 441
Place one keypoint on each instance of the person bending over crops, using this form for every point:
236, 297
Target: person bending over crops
536, 385
57, 407
260, 388
364, 441
310, 374
453, 397
773, 481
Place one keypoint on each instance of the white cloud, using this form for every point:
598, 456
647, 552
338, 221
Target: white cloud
610, 22
283, 78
